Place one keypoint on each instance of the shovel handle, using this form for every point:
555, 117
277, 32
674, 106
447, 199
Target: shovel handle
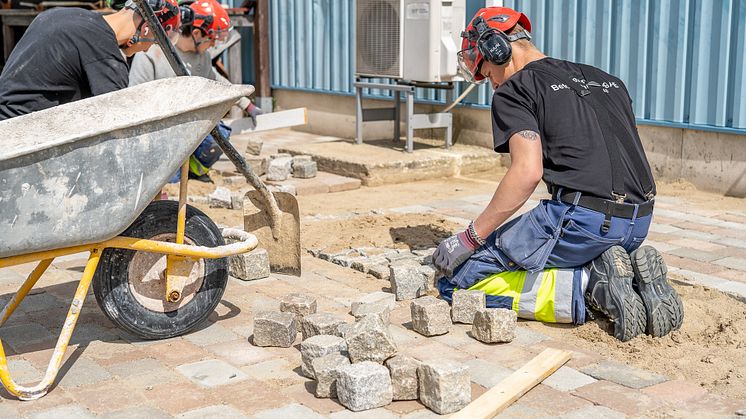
234, 156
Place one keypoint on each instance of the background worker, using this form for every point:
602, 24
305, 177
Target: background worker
204, 24
571, 125
68, 54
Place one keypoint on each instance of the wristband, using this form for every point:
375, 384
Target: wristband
472, 232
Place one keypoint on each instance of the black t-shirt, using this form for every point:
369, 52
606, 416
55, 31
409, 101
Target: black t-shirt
66, 54
575, 155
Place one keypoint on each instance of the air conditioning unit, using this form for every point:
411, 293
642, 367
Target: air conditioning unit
413, 40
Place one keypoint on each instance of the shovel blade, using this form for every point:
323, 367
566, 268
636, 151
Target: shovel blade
284, 250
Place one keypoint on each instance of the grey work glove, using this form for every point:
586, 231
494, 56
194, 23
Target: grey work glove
454, 251
253, 110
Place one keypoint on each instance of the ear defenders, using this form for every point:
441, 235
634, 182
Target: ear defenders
494, 44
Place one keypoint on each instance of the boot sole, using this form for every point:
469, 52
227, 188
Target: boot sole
632, 318
663, 305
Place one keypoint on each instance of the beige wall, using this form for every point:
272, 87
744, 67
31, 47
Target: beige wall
711, 161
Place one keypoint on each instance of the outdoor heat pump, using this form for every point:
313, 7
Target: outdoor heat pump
415, 40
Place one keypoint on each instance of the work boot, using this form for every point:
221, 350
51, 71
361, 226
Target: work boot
662, 303
610, 292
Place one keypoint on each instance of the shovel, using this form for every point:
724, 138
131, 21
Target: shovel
275, 221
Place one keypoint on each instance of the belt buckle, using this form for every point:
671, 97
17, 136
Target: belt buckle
619, 198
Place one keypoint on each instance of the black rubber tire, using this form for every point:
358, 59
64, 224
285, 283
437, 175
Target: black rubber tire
111, 281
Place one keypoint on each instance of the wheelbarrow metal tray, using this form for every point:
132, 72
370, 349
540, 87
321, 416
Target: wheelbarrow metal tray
81, 173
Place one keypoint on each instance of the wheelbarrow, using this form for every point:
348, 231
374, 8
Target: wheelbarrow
81, 177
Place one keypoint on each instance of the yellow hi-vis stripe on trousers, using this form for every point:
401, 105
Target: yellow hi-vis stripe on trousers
545, 296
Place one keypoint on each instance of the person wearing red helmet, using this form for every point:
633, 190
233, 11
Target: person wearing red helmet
68, 54
205, 23
571, 125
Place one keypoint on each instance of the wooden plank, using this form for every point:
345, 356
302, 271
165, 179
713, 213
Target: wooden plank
261, 49
516, 385
270, 121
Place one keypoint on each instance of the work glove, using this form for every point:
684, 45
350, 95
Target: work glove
253, 111
454, 251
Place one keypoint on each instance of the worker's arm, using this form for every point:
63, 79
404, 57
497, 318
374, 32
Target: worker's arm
526, 170
520, 181
244, 103
142, 69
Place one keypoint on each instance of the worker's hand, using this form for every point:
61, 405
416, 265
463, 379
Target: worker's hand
454, 251
252, 111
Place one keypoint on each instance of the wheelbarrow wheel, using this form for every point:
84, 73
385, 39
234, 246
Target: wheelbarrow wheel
130, 286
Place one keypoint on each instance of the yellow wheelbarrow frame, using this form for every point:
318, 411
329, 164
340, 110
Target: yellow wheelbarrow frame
180, 258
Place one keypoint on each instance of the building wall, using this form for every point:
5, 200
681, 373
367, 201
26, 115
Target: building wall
712, 161
682, 60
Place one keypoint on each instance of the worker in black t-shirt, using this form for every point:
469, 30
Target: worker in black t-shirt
571, 125
68, 54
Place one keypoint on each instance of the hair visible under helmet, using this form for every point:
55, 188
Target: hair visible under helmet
503, 19
208, 16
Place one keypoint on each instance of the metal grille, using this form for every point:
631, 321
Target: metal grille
378, 46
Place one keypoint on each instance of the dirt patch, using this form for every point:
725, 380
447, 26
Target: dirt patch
709, 348
401, 231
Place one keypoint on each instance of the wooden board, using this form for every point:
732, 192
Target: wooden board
270, 121
516, 385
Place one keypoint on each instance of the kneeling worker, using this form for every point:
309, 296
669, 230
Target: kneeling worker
204, 24
573, 126
68, 54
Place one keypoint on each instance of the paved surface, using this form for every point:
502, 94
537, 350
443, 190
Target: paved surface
217, 372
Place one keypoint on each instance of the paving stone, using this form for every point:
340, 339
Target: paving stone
567, 379
237, 200
338, 183
465, 305
143, 372
320, 324
250, 266
305, 169
379, 413
139, 412
406, 280
23, 372
374, 298
676, 392
527, 337
84, 372
736, 263
70, 411
294, 411
381, 271
318, 346
486, 374
7, 412
240, 352
279, 168
623, 374
325, 369
382, 310
257, 164
273, 328
24, 335
221, 198
365, 385
211, 373
234, 180
430, 316
629, 401
254, 146
595, 412
211, 334
698, 255
403, 371
494, 325
219, 411
445, 386
273, 370
298, 304
369, 340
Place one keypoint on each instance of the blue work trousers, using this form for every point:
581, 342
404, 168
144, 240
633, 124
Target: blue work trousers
554, 234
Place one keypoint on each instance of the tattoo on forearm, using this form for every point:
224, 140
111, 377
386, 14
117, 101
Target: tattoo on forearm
529, 135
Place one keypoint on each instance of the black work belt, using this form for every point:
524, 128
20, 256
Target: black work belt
605, 206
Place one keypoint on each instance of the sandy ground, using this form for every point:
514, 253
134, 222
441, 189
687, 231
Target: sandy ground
708, 349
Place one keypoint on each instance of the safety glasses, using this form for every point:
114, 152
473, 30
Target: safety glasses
467, 63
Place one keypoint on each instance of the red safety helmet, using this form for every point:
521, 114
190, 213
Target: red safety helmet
208, 16
503, 19
168, 14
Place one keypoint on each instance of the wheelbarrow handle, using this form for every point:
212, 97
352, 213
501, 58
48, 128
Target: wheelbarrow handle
234, 156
